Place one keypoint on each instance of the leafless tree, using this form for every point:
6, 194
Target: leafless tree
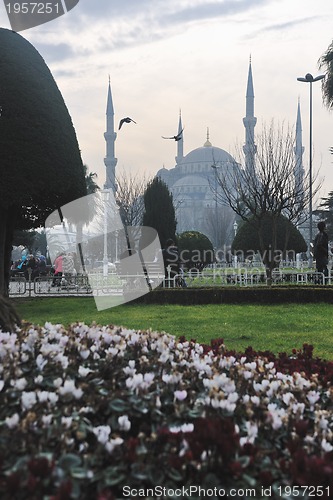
219, 225
129, 197
271, 188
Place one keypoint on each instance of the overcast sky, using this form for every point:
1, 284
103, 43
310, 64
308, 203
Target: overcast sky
191, 55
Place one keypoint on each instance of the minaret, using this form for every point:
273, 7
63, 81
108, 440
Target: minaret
249, 121
299, 150
110, 137
180, 143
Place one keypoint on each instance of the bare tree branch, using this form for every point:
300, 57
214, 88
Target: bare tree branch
129, 197
273, 187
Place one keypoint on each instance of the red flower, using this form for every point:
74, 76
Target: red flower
302, 427
236, 469
266, 478
13, 483
64, 491
105, 494
312, 470
39, 467
214, 433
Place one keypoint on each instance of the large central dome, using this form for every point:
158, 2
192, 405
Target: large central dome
193, 183
203, 158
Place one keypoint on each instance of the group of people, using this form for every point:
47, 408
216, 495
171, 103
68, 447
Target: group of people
65, 266
29, 265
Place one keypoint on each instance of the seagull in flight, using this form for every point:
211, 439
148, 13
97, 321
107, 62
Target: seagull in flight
125, 120
175, 137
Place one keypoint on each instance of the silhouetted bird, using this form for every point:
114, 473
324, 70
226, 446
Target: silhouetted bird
175, 137
125, 120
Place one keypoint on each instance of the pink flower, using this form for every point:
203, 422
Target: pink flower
180, 395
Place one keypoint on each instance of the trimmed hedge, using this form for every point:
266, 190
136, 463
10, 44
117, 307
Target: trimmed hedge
230, 295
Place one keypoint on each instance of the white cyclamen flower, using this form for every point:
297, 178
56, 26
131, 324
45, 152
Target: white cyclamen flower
180, 395
28, 399
57, 382
40, 362
326, 446
47, 419
83, 372
102, 432
85, 353
67, 421
20, 384
12, 421
124, 423
313, 397
69, 388
175, 429
110, 446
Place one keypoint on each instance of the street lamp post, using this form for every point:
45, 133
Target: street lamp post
105, 250
235, 227
215, 167
310, 79
179, 212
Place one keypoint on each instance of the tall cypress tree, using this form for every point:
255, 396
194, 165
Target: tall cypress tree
159, 210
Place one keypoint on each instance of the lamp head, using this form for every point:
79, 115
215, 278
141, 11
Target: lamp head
309, 78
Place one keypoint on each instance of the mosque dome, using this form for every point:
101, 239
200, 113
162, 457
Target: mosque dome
194, 186
201, 159
191, 181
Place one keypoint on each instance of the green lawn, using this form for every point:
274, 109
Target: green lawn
277, 327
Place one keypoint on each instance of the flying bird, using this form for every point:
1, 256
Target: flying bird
125, 120
175, 137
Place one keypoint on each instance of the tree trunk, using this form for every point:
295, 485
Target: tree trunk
3, 258
7, 224
269, 255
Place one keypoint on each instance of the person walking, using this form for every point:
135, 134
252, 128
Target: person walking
58, 269
320, 249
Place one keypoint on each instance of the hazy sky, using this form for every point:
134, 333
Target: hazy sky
191, 55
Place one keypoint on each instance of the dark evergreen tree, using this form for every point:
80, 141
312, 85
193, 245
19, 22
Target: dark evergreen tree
195, 249
40, 163
159, 210
257, 236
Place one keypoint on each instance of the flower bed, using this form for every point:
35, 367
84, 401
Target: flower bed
108, 413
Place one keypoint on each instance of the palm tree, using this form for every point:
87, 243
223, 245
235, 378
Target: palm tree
92, 187
326, 63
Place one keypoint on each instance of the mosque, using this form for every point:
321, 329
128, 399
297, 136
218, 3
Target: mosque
193, 180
